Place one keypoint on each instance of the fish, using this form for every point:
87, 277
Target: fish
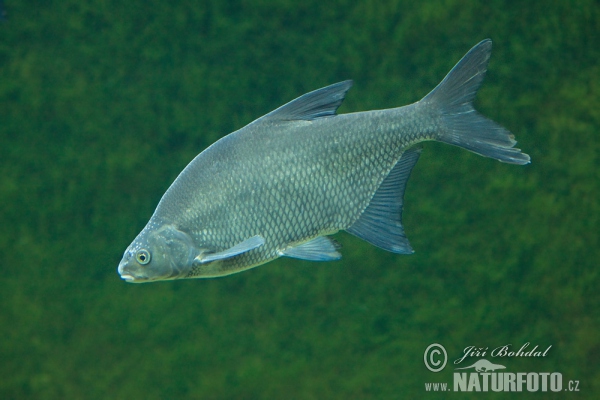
286, 182
2, 11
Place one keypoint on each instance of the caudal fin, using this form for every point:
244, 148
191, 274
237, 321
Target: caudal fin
462, 125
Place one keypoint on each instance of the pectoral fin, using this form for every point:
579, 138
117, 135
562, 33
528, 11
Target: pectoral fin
242, 247
319, 249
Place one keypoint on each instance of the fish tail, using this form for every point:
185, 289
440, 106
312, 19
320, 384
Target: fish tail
461, 124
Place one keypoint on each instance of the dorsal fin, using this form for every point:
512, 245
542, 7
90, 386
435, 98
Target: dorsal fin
316, 104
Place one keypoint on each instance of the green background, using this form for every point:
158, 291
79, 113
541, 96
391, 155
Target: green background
103, 103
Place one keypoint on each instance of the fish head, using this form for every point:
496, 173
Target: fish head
158, 254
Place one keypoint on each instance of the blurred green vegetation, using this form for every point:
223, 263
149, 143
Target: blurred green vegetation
102, 104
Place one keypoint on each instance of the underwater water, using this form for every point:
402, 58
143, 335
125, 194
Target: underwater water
103, 103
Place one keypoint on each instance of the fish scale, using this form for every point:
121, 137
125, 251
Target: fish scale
282, 184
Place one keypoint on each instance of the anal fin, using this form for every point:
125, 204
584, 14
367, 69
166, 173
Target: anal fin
321, 248
381, 222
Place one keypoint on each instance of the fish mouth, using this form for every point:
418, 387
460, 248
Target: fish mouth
133, 279
128, 278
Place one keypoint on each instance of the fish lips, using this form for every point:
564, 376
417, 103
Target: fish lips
127, 276
126, 273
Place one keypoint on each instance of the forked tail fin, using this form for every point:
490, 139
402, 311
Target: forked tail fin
462, 125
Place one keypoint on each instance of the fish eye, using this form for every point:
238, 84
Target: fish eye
143, 256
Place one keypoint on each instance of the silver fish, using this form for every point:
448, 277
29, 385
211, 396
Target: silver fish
281, 184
